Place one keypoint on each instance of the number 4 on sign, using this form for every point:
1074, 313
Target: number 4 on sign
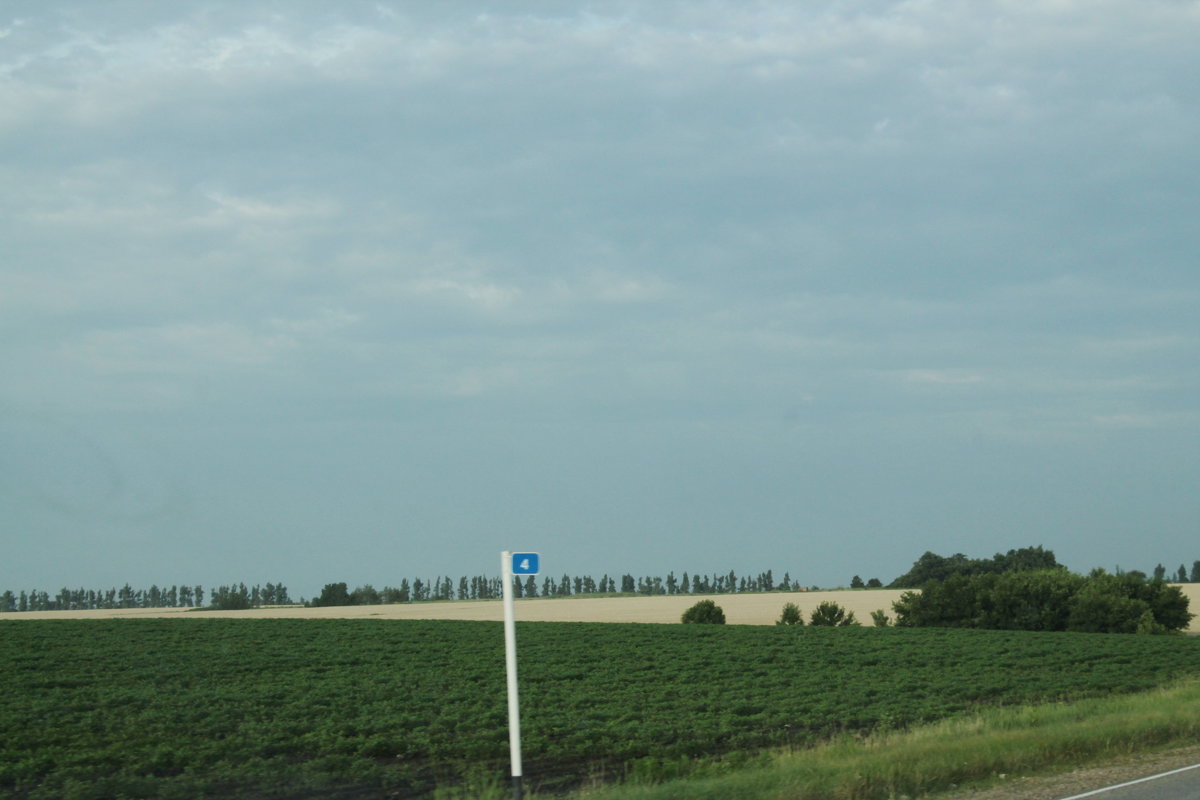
525, 563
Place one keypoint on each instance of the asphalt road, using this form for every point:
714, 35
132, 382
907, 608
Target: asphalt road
1177, 784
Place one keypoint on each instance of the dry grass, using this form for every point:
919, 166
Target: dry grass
740, 609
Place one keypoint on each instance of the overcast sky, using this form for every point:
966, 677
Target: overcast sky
307, 292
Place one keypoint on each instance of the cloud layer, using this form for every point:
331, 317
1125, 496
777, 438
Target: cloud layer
598, 280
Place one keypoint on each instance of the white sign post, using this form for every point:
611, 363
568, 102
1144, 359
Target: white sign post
514, 564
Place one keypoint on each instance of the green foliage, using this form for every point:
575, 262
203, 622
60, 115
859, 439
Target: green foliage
231, 598
880, 618
932, 567
791, 615
334, 594
366, 595
1047, 600
831, 615
705, 612
208, 708
174, 596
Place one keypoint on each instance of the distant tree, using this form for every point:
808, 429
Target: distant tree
531, 587
8, 601
791, 615
857, 583
880, 618
333, 594
932, 567
704, 612
685, 585
365, 595
231, 598
1182, 575
1025, 559
1195, 576
628, 585
874, 583
786, 584
830, 614
1160, 572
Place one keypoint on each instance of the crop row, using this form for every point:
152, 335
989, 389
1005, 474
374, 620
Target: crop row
196, 708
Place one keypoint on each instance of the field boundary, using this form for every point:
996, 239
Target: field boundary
757, 608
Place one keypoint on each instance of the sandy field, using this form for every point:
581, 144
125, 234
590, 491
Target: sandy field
740, 609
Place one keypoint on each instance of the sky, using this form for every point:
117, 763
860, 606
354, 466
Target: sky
305, 292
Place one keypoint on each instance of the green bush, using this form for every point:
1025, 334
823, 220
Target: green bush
705, 612
831, 614
791, 615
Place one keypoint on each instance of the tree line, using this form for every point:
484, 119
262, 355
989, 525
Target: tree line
416, 590
1180, 575
174, 596
482, 587
929, 567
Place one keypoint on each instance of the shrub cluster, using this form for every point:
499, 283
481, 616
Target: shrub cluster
706, 612
1047, 600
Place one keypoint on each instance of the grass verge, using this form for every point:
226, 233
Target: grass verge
968, 750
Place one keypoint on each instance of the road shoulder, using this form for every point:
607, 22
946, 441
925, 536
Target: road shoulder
1082, 779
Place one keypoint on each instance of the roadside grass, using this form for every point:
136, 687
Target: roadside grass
978, 749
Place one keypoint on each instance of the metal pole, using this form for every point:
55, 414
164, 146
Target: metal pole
510, 663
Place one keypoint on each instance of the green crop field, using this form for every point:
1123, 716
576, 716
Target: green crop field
368, 708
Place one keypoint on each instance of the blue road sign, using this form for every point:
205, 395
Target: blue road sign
524, 563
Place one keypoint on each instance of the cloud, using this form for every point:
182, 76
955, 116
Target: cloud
181, 348
751, 234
